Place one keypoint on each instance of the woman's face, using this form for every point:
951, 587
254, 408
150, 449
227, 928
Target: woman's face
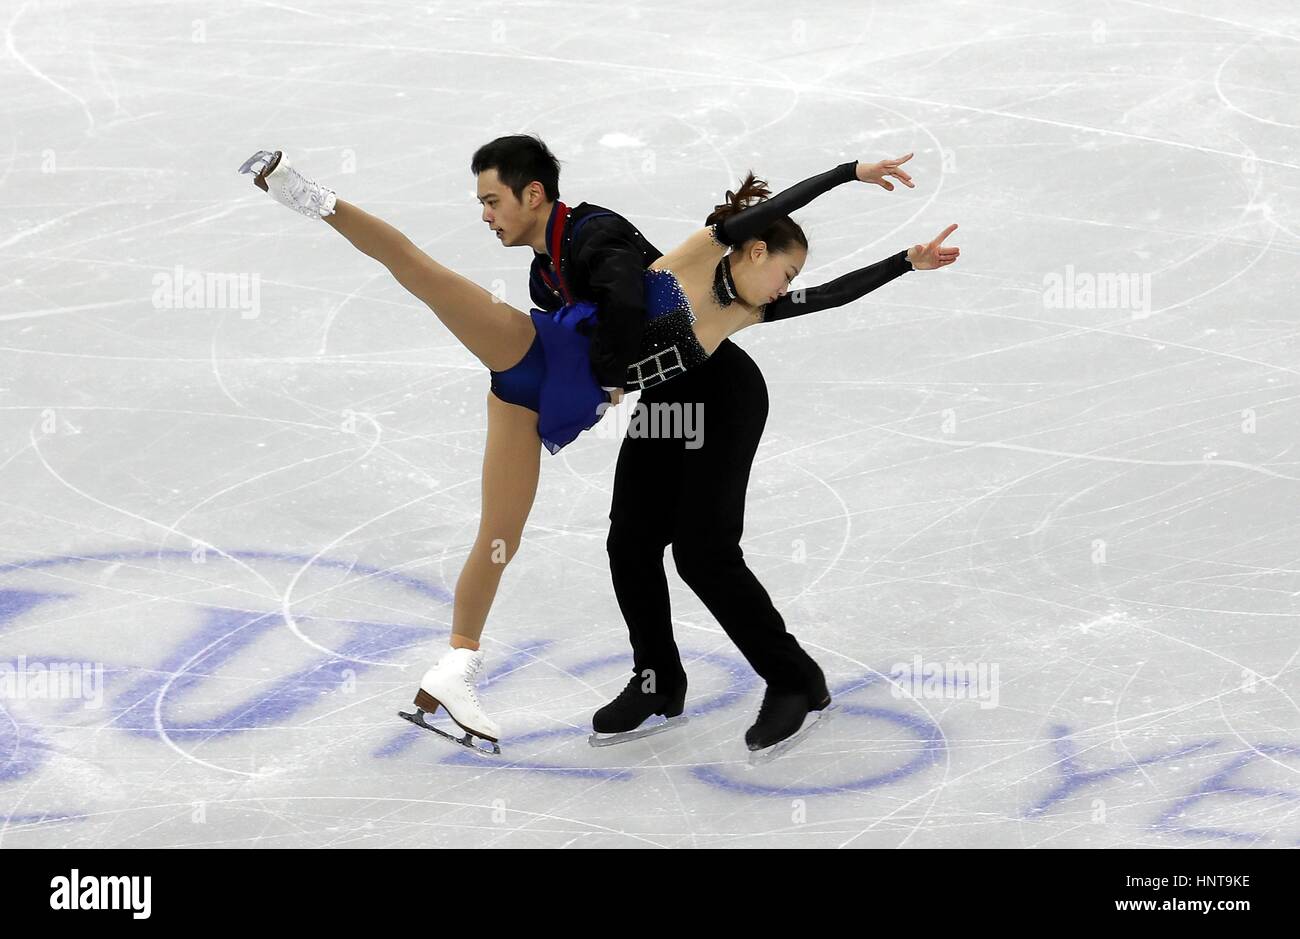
762, 276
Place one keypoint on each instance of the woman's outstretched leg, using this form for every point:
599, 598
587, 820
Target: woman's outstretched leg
500, 336
496, 333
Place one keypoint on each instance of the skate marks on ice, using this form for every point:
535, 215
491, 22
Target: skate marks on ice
219, 674
1235, 789
105, 657
713, 752
559, 750
203, 686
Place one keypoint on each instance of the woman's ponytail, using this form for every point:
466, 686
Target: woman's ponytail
780, 235
752, 190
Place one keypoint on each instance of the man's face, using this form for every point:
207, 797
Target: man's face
508, 218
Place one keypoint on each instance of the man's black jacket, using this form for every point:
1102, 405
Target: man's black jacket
602, 259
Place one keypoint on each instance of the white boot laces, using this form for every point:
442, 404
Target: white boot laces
304, 193
471, 676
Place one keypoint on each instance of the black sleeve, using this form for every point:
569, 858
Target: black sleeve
615, 274
749, 222
839, 291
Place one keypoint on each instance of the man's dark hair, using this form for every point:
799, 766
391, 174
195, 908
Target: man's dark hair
519, 160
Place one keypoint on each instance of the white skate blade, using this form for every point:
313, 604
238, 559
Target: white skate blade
768, 754
609, 740
468, 740
257, 162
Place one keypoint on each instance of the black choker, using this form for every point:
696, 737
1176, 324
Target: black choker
724, 288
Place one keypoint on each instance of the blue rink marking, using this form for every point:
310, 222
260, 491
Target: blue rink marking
24, 749
1215, 785
1074, 777
1218, 785
930, 747
228, 632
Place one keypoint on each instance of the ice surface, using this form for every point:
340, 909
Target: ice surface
251, 514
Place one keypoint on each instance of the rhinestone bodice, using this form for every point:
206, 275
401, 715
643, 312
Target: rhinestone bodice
669, 345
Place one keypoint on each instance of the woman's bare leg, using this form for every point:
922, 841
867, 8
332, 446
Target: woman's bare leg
496, 333
511, 464
500, 336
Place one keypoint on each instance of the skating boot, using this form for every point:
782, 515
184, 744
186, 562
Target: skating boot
621, 720
781, 721
287, 186
450, 685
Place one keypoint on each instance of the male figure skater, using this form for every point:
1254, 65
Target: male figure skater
580, 253
661, 495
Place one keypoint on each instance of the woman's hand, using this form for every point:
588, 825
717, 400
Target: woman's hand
876, 173
927, 257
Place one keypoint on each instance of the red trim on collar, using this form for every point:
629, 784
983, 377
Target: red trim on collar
555, 240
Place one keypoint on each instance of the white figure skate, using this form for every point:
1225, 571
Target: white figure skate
450, 685
287, 186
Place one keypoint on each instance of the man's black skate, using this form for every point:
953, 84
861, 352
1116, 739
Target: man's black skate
621, 719
780, 718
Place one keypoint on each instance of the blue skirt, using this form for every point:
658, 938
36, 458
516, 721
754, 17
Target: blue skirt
568, 395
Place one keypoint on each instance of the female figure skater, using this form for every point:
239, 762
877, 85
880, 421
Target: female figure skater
543, 359
693, 497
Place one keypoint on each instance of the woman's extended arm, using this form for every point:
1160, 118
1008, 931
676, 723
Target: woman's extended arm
841, 290
752, 220
859, 283
706, 245
748, 222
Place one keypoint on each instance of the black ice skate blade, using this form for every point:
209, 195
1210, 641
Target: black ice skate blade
768, 754
466, 741
609, 740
